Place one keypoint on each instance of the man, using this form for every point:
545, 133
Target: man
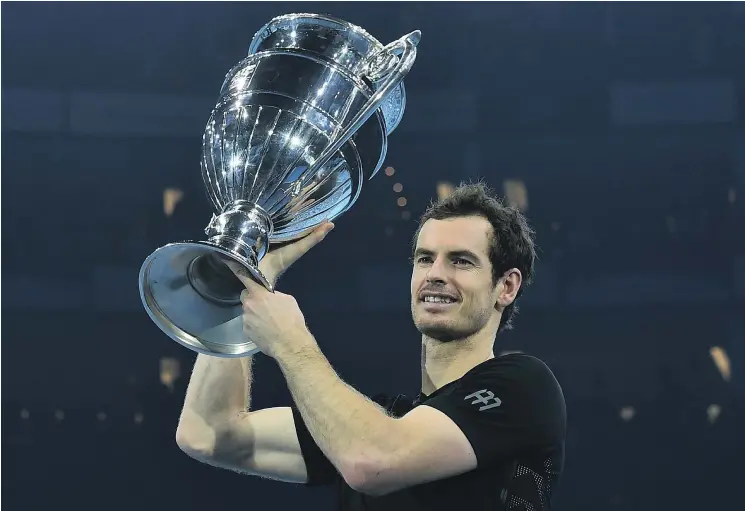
485, 432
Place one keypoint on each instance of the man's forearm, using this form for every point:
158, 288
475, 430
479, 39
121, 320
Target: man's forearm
351, 430
219, 389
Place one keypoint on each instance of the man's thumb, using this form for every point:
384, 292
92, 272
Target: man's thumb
315, 237
322, 230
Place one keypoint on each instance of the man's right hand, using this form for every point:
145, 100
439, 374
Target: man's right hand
276, 261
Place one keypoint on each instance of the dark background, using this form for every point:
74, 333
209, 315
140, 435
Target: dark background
624, 123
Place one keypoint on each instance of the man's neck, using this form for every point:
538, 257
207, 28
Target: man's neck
444, 362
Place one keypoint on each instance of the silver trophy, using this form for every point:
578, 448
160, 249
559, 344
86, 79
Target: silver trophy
300, 124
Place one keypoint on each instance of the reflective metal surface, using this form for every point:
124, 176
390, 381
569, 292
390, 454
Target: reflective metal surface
300, 124
343, 43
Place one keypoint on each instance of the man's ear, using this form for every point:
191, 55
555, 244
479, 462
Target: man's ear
508, 287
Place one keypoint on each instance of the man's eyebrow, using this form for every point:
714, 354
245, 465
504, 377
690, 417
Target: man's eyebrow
422, 251
464, 253
453, 253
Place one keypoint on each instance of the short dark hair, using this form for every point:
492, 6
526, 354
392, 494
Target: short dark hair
511, 244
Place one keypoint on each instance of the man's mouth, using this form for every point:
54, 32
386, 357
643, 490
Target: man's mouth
438, 299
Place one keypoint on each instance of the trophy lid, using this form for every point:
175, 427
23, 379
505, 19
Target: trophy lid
344, 43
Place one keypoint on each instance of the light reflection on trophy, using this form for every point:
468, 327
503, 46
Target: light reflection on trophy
300, 124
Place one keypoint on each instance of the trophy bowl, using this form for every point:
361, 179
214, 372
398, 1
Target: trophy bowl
299, 125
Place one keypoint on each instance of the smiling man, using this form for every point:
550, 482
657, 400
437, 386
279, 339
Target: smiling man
485, 432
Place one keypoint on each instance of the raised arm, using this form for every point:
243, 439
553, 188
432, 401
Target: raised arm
218, 426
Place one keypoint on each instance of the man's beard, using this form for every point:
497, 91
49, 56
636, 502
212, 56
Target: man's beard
444, 332
454, 330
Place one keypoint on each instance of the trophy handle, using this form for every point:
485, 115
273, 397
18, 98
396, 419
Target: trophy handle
381, 65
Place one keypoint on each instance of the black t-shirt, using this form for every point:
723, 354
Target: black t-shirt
511, 409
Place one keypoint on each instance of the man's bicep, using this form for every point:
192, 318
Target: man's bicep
269, 443
442, 449
319, 470
429, 447
274, 450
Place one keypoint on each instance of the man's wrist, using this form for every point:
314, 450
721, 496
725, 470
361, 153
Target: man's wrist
301, 345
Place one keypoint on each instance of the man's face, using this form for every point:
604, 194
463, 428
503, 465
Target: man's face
452, 293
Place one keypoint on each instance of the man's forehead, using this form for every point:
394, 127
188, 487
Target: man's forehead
454, 234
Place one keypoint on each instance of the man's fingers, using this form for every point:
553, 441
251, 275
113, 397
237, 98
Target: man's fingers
243, 275
253, 287
238, 270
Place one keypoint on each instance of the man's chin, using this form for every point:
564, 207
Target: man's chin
441, 332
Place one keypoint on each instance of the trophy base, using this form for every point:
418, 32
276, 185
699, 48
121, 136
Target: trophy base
195, 298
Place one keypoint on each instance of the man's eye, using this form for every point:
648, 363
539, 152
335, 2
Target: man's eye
459, 261
423, 260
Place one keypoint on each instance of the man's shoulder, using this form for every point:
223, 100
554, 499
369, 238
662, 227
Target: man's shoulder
514, 364
518, 373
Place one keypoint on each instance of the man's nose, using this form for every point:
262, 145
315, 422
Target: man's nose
437, 271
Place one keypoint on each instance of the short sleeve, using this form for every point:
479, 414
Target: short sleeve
320, 470
505, 407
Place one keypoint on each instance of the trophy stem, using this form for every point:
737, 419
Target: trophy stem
239, 233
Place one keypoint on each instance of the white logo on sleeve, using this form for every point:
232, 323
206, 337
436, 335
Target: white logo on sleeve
485, 398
